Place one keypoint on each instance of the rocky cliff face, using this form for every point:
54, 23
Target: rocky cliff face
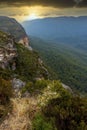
17, 61
8, 52
12, 27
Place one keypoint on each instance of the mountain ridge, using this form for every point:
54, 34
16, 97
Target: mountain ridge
57, 29
11, 26
60, 17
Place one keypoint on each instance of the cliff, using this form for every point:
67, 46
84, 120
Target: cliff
11, 26
17, 57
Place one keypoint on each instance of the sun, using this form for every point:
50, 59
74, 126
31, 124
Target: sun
32, 16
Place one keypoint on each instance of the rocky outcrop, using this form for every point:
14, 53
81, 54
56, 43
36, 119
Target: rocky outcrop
67, 87
25, 41
8, 53
12, 27
17, 84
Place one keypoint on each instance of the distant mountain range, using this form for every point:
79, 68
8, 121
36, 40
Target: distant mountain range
69, 30
53, 28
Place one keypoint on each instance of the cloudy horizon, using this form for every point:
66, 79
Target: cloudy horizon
32, 9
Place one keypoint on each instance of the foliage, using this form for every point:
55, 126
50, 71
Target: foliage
51, 91
69, 112
35, 87
5, 95
5, 91
41, 84
67, 64
28, 87
62, 111
28, 65
6, 74
40, 123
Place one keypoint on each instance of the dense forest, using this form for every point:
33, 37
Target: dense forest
68, 64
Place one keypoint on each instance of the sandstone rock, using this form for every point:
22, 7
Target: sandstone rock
17, 84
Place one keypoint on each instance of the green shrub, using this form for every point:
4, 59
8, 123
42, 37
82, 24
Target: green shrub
40, 123
35, 87
5, 95
28, 87
70, 113
5, 91
28, 65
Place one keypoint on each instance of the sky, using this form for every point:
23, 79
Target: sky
23, 10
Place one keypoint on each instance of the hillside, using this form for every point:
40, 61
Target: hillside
68, 64
29, 98
18, 66
18, 59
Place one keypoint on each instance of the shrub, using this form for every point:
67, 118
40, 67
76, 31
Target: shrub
40, 123
5, 94
5, 91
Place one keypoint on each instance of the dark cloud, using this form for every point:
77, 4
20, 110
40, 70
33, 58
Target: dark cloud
54, 3
83, 3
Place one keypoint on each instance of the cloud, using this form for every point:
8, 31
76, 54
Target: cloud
78, 1
53, 3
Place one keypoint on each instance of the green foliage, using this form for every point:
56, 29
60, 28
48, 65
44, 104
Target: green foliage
52, 91
28, 87
41, 84
28, 65
65, 112
70, 113
40, 123
35, 87
5, 91
67, 64
6, 74
5, 95
62, 112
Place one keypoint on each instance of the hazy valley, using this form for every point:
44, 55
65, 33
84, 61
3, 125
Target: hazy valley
62, 43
